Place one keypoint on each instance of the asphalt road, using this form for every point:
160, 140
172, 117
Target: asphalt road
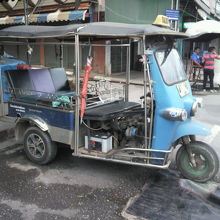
73, 188
68, 188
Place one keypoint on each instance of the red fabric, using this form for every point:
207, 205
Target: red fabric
209, 61
88, 70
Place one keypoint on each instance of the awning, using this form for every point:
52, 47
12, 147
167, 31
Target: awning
73, 15
204, 30
100, 29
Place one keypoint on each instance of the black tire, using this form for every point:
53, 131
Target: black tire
206, 160
38, 146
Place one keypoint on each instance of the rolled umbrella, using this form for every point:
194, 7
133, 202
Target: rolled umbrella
88, 69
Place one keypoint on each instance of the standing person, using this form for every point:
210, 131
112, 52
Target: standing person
196, 61
196, 58
209, 60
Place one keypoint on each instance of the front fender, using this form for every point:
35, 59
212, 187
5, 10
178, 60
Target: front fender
24, 123
35, 120
190, 128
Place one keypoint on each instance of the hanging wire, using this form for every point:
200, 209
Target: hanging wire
94, 129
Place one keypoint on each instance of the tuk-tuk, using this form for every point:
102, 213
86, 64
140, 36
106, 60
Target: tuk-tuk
112, 129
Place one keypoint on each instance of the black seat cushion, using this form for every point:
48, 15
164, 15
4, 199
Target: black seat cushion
109, 111
59, 78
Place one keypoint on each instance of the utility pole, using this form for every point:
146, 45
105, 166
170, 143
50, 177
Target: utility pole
25, 11
177, 22
29, 50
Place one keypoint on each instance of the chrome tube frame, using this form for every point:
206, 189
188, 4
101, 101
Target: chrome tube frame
163, 166
128, 72
62, 43
145, 98
2, 110
77, 105
144, 154
152, 106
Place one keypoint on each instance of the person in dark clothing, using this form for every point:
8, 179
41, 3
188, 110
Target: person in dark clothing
209, 61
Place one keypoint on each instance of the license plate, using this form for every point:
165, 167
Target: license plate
183, 89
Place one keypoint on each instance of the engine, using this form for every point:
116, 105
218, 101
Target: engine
126, 129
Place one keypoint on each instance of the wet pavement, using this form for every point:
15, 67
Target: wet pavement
75, 188
68, 188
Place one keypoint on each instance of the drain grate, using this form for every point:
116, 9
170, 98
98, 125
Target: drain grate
165, 198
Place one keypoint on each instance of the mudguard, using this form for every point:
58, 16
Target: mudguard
35, 120
190, 128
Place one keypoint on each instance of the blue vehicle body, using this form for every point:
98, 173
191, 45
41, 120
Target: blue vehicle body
7, 63
51, 116
166, 131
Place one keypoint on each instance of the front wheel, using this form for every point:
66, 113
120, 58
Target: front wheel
207, 162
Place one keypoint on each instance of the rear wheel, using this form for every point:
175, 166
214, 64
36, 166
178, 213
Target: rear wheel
38, 146
207, 162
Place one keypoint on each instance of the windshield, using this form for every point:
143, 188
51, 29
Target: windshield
171, 66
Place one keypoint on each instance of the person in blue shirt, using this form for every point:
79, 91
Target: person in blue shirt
196, 60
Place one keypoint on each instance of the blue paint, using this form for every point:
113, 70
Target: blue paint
166, 131
42, 18
76, 15
7, 64
52, 117
18, 19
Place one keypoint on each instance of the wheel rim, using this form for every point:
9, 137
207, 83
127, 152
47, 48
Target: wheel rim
35, 145
202, 165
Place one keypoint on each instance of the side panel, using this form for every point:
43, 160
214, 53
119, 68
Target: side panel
53, 117
61, 135
60, 123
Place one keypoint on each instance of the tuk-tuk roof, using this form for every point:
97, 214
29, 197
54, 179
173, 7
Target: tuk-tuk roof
89, 29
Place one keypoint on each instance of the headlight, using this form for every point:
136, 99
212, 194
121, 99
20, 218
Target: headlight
194, 108
175, 114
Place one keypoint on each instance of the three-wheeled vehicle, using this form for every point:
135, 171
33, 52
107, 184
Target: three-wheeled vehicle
104, 125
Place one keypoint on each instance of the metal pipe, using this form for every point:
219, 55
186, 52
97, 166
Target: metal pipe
64, 43
176, 22
151, 107
140, 157
172, 4
61, 54
77, 82
2, 111
142, 149
25, 12
125, 162
145, 93
128, 73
